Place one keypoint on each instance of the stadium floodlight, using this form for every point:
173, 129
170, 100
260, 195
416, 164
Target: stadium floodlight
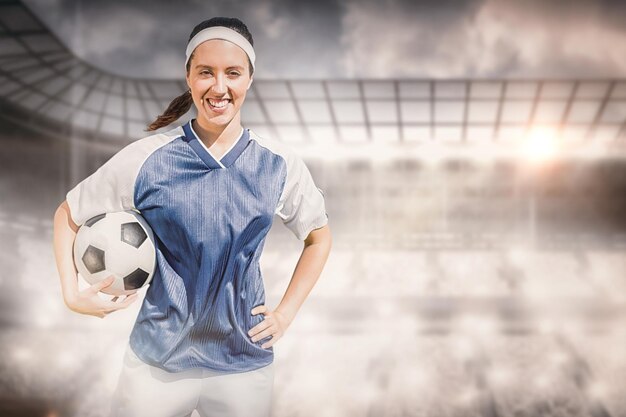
540, 144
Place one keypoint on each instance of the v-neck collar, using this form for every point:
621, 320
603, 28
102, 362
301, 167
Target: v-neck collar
205, 154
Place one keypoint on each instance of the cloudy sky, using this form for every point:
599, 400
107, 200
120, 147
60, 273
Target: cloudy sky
356, 39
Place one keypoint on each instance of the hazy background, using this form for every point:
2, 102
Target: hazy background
472, 160
357, 39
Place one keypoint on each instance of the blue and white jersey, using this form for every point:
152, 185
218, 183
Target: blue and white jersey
210, 218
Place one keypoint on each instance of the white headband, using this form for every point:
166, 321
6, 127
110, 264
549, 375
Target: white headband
220, 32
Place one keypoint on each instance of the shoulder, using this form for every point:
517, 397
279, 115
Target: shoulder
140, 149
277, 147
153, 142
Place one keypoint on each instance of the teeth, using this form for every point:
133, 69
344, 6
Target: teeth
218, 104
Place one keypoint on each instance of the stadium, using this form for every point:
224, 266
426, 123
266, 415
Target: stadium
478, 262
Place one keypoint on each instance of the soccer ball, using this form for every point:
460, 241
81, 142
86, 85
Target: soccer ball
119, 244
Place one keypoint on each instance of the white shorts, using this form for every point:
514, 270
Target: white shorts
147, 391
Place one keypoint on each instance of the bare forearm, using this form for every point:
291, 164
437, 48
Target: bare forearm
64, 234
306, 274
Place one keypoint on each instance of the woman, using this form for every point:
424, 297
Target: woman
209, 189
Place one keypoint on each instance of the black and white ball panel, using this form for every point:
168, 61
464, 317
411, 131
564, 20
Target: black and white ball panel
93, 258
119, 244
133, 234
94, 219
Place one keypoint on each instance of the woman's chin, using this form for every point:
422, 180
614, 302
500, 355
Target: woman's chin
218, 119
216, 116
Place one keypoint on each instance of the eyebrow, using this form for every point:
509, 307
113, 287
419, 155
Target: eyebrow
208, 66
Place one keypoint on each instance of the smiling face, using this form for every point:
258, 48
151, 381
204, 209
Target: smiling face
219, 74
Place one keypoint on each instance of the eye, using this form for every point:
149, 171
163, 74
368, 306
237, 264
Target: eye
235, 73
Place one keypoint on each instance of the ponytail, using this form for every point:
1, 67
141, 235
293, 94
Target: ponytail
178, 107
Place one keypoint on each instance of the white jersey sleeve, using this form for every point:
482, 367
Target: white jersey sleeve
111, 188
301, 206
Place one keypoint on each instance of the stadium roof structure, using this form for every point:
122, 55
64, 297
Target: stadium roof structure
44, 86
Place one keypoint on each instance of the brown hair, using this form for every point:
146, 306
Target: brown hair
181, 104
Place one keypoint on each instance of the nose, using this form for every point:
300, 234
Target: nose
220, 84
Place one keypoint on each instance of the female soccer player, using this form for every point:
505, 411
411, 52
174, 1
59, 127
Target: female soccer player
209, 189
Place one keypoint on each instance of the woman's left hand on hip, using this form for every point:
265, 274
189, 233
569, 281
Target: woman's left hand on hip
274, 324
